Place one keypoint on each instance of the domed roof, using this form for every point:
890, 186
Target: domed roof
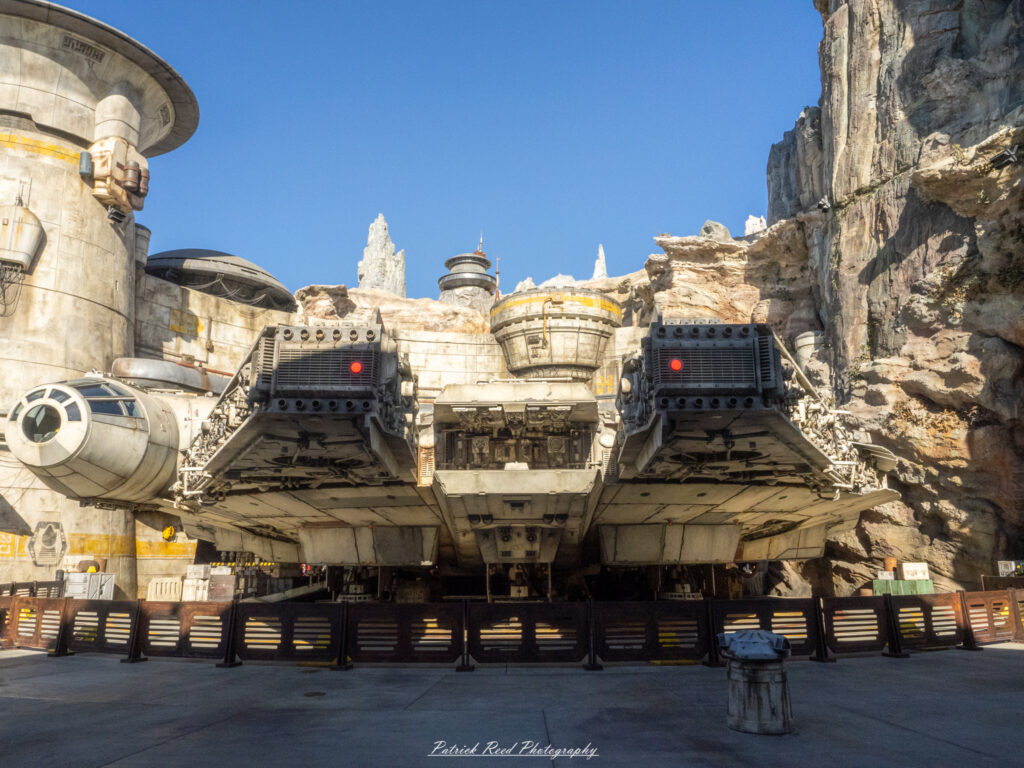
221, 274
185, 107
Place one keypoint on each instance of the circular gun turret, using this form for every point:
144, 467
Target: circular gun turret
555, 333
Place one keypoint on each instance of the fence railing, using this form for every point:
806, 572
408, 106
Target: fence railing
32, 589
820, 629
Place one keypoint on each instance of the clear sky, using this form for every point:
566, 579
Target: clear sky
550, 126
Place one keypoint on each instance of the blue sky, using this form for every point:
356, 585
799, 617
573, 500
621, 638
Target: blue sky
550, 126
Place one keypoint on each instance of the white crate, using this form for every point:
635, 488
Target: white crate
220, 570
164, 589
913, 571
89, 586
195, 591
1006, 567
886, 576
197, 572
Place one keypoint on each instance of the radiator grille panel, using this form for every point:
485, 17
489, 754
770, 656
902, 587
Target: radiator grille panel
311, 369
706, 368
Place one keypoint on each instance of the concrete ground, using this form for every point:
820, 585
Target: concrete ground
950, 708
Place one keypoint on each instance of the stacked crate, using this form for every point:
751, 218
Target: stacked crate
908, 579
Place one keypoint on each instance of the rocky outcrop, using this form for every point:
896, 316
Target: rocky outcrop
600, 265
765, 280
334, 302
912, 210
381, 269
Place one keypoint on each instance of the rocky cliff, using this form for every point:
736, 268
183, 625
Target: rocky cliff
908, 183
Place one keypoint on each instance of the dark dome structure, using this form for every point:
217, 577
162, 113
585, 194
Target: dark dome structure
221, 274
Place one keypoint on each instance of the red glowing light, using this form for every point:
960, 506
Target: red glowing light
356, 367
676, 365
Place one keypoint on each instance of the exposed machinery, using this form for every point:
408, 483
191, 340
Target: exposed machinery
716, 450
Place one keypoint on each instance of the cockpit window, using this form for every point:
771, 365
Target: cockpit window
93, 390
41, 423
36, 395
59, 395
109, 399
112, 407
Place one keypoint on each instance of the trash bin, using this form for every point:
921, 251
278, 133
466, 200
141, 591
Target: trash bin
758, 690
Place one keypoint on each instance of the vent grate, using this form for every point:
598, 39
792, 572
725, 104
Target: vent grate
855, 625
86, 627
944, 621
502, 635
262, 633
428, 634
790, 624
625, 635
737, 622
27, 622
164, 631
556, 636
678, 633
311, 633
311, 369
49, 626
205, 632
377, 635
706, 368
426, 465
117, 629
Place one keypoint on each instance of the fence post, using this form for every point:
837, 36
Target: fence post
5, 640
341, 661
591, 664
969, 642
135, 638
60, 648
230, 660
464, 665
1015, 615
820, 643
713, 659
894, 648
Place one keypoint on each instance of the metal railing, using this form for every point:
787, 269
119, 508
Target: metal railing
32, 589
468, 633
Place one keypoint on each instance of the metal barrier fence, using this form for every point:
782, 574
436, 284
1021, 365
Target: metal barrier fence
820, 629
32, 589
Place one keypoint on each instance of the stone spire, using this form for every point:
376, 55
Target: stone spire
600, 267
381, 268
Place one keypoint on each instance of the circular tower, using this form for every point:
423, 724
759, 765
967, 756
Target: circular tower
554, 333
82, 107
468, 283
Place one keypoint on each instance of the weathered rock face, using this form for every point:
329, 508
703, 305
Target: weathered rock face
918, 269
381, 268
600, 265
334, 302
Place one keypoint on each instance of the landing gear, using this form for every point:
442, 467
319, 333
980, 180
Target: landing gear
518, 582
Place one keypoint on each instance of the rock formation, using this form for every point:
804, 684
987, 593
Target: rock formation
600, 265
754, 225
381, 268
912, 209
333, 302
